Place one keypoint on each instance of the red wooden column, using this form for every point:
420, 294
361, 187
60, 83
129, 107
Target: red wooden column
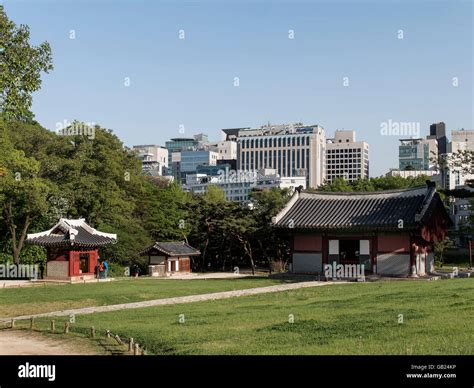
71, 263
93, 255
325, 249
373, 252
413, 249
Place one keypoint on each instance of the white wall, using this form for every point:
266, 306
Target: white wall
393, 264
307, 262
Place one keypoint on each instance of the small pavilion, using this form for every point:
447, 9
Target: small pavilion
167, 258
72, 249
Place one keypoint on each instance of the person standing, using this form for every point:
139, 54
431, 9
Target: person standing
106, 269
101, 270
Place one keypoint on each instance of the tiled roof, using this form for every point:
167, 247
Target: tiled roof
70, 233
381, 210
179, 248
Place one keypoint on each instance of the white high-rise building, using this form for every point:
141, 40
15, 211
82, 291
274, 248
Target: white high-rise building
226, 149
462, 140
346, 157
154, 158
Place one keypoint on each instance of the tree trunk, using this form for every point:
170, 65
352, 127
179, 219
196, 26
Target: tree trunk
17, 244
250, 255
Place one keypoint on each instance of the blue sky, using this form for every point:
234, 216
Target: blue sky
190, 82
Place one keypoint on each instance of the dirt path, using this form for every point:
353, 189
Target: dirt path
175, 300
21, 343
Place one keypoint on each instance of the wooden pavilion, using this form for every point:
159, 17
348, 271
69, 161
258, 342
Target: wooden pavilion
72, 249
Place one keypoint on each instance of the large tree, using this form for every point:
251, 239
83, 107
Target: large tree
21, 65
23, 195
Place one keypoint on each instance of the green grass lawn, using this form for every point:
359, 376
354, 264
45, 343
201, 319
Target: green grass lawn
356, 318
39, 299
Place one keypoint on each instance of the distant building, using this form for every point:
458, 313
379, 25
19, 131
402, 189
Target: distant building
461, 212
417, 154
438, 133
202, 139
154, 158
227, 149
174, 147
462, 140
190, 160
237, 186
293, 150
346, 157
212, 170
435, 176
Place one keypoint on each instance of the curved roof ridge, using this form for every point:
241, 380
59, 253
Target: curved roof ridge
418, 190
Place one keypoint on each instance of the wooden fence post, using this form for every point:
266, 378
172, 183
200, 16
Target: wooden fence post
118, 339
92, 332
53, 326
130, 344
136, 350
32, 323
13, 323
66, 327
107, 333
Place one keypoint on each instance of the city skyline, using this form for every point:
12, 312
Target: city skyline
349, 65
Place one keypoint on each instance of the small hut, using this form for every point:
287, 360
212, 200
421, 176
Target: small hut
72, 249
166, 258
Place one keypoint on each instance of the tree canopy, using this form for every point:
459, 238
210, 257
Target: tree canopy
21, 65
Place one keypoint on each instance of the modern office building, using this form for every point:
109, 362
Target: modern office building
190, 160
461, 140
417, 154
214, 170
174, 147
438, 132
154, 158
227, 149
292, 150
461, 210
346, 158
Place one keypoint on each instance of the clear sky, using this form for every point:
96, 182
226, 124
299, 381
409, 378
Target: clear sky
190, 82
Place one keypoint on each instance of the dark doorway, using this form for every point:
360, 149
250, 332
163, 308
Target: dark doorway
349, 251
84, 262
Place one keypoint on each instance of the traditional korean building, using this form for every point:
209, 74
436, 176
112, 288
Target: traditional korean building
166, 258
390, 232
72, 249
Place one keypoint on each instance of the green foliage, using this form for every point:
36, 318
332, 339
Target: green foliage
233, 235
214, 194
92, 177
439, 249
23, 194
21, 65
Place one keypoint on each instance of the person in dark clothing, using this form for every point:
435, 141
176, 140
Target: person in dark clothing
96, 270
41, 268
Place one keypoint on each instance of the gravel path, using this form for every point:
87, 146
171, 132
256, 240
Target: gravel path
175, 300
20, 344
